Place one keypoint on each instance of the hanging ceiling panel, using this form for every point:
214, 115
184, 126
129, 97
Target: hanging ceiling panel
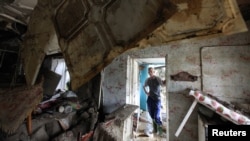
92, 33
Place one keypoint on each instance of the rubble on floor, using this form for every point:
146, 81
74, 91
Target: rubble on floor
61, 117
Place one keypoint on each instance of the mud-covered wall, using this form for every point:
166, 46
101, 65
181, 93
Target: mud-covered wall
184, 55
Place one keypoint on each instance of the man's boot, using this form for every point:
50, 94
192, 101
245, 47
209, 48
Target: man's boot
160, 131
154, 127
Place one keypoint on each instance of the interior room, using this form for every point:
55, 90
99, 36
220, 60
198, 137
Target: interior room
74, 70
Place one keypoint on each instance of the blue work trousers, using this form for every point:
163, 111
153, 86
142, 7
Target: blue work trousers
154, 109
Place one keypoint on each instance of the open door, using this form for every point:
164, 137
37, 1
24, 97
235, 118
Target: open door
92, 33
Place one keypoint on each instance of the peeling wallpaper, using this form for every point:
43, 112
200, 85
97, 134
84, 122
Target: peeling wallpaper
184, 55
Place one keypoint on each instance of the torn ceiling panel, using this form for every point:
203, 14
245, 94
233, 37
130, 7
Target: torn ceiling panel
39, 40
196, 19
101, 30
92, 33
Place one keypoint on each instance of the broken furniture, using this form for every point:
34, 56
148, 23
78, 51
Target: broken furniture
213, 104
17, 104
118, 126
229, 114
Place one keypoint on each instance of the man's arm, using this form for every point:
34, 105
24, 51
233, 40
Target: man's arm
145, 89
164, 82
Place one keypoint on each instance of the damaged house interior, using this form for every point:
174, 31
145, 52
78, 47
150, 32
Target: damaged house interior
74, 70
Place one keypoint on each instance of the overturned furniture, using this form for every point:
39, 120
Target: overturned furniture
115, 124
16, 104
215, 105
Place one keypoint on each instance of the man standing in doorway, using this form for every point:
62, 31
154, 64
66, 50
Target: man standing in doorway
154, 84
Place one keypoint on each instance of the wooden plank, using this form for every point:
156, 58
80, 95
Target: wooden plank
186, 118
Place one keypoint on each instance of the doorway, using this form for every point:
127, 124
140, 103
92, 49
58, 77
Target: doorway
137, 73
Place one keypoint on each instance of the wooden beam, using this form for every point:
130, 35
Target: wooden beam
186, 118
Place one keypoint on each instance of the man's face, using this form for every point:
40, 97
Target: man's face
151, 72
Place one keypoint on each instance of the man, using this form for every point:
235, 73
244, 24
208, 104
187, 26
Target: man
154, 99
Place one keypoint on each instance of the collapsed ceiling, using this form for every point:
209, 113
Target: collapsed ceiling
101, 30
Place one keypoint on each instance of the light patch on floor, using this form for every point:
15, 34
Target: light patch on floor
145, 127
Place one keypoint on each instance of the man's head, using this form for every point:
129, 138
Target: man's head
151, 71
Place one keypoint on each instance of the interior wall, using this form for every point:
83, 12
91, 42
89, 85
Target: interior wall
226, 72
183, 55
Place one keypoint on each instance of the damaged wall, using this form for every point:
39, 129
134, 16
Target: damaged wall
226, 72
183, 55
